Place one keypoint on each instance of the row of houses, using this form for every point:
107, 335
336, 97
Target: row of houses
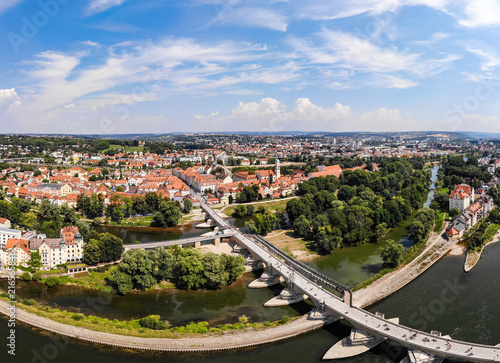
470, 216
53, 251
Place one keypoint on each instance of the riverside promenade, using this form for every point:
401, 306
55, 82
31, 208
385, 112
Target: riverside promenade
206, 342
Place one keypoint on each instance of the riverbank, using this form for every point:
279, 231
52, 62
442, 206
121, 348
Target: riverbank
473, 257
436, 247
214, 342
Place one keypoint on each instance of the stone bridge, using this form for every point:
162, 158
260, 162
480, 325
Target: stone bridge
334, 301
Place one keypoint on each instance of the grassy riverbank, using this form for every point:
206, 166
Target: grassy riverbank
134, 328
278, 205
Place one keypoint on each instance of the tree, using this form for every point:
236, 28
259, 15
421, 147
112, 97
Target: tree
392, 253
51, 228
213, 271
240, 211
35, 261
140, 268
69, 214
187, 204
29, 220
92, 252
189, 273
454, 212
302, 227
121, 281
52, 281
165, 262
83, 228
263, 223
26, 276
111, 247
168, 215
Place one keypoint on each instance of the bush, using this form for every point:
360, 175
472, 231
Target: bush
29, 302
37, 276
77, 317
52, 281
96, 221
153, 322
26, 276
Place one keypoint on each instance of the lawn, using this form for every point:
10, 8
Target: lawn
277, 205
129, 149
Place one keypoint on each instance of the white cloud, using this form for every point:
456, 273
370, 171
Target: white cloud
9, 100
271, 115
383, 119
319, 9
98, 6
481, 13
491, 60
6, 4
435, 38
253, 17
350, 52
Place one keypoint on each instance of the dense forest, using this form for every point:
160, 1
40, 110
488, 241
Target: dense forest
360, 206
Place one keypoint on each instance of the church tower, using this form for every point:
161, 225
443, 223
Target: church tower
277, 171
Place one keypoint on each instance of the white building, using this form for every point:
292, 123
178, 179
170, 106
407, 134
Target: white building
6, 234
462, 197
4, 223
15, 253
57, 251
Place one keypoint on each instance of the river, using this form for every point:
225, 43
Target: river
466, 311
471, 316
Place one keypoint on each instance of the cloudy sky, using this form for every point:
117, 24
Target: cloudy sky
158, 66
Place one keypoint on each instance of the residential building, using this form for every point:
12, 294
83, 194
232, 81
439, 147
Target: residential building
6, 234
461, 197
4, 223
16, 252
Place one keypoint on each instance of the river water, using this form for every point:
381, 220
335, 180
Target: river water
444, 298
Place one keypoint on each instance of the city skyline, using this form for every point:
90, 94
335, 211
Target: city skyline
126, 66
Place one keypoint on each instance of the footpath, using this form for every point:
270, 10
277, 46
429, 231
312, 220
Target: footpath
209, 342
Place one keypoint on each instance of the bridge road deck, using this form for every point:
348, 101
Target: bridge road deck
411, 338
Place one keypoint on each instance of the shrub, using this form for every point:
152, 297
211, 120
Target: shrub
77, 317
29, 302
52, 281
37, 276
153, 322
26, 276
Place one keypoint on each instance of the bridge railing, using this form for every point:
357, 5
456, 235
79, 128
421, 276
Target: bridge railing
304, 269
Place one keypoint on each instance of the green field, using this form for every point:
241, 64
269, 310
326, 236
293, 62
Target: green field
129, 149
277, 205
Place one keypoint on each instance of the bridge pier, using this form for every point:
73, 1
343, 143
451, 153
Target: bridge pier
358, 342
268, 278
319, 312
288, 296
418, 356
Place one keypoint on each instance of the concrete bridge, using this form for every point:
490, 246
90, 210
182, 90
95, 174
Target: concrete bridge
334, 301
216, 237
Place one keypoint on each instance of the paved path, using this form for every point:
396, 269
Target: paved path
208, 342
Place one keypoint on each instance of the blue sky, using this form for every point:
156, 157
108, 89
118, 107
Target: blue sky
129, 66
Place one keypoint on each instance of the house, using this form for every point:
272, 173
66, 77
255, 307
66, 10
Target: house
16, 252
4, 223
6, 234
461, 197
335, 170
55, 189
